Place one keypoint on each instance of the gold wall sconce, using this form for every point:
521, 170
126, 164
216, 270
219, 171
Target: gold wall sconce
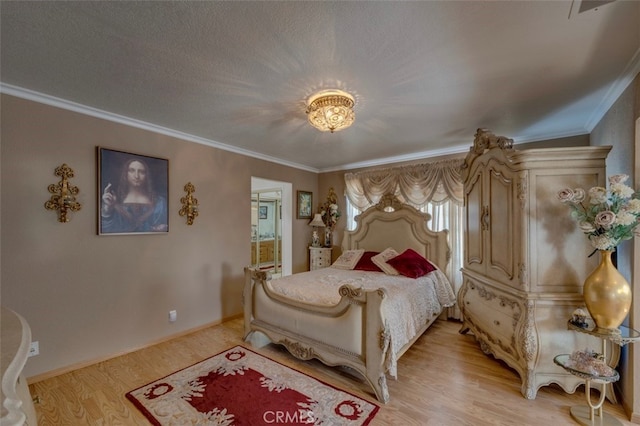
189, 204
64, 194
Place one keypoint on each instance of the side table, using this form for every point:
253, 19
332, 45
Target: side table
593, 414
319, 257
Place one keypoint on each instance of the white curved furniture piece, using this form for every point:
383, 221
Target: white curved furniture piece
17, 406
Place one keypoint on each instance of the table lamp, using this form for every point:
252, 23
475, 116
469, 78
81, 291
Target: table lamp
316, 223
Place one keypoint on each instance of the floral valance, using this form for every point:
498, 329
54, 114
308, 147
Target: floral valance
416, 184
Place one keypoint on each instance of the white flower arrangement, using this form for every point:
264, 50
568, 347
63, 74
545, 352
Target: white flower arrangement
608, 216
329, 210
330, 215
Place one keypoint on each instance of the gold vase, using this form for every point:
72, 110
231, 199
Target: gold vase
607, 294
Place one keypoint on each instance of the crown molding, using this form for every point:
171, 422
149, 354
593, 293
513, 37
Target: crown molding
457, 149
615, 90
42, 98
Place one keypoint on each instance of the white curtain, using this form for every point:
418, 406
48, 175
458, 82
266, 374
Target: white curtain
450, 215
416, 184
435, 188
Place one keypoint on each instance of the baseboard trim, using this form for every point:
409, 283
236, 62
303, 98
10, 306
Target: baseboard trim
76, 366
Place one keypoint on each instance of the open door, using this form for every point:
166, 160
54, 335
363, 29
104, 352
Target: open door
271, 225
266, 235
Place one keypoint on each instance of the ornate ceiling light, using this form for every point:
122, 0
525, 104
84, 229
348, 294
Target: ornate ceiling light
331, 110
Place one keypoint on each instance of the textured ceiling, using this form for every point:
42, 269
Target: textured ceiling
425, 75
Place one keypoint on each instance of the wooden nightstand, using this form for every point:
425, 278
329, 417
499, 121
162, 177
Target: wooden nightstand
319, 257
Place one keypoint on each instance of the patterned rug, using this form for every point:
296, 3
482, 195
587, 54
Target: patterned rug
241, 387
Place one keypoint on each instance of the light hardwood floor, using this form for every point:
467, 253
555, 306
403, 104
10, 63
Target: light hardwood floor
444, 379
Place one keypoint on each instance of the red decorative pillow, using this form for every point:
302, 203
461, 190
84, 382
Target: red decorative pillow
366, 264
411, 264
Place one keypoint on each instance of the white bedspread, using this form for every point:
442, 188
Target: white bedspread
411, 303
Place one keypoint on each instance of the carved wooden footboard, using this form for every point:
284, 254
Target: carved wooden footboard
309, 331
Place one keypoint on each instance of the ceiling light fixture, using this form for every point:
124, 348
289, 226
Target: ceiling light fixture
331, 110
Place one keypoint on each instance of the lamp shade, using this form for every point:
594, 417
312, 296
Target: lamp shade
317, 221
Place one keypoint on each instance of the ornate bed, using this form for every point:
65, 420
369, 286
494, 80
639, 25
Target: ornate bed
355, 331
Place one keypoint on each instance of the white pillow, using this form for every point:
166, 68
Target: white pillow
348, 259
381, 261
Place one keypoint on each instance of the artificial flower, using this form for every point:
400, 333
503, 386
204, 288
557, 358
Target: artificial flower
329, 211
608, 217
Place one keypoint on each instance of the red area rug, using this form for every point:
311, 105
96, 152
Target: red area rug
241, 387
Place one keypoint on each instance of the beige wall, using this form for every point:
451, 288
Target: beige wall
618, 128
87, 297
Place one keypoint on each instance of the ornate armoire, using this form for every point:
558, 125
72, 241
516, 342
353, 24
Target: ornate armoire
524, 258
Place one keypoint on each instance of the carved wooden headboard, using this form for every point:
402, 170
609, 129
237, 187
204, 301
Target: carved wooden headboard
393, 224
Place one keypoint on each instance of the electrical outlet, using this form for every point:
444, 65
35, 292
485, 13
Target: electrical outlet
173, 316
34, 349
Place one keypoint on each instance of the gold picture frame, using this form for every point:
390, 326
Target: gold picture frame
305, 205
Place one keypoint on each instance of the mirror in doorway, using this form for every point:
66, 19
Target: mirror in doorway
266, 226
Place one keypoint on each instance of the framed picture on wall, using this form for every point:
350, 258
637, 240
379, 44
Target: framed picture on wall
133, 193
305, 204
262, 214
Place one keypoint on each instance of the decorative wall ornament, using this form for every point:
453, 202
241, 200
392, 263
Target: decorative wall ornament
64, 194
189, 204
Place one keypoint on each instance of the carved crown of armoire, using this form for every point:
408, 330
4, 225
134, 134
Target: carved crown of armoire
525, 259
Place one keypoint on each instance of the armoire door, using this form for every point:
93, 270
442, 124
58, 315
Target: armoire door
501, 238
474, 227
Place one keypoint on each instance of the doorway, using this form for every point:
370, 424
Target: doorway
266, 235
271, 226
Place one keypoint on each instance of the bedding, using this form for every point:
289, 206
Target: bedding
411, 303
